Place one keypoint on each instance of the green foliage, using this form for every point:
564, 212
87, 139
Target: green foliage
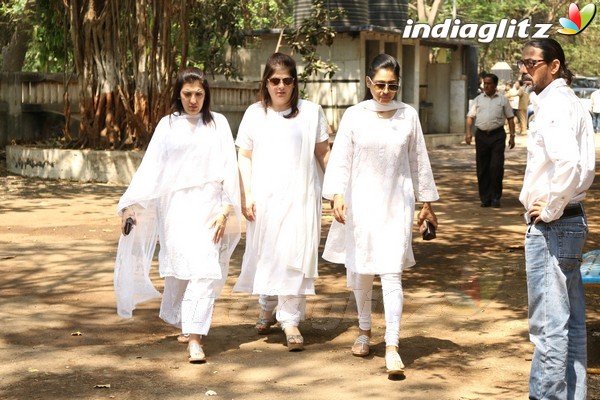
218, 28
267, 14
312, 32
49, 50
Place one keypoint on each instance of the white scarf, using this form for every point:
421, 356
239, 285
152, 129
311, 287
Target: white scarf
373, 105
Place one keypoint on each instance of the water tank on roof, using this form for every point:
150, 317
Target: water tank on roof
356, 12
388, 13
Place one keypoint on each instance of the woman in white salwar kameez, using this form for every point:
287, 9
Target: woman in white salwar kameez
283, 149
186, 194
378, 165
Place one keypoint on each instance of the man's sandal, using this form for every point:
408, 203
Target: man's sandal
197, 355
295, 342
361, 346
393, 363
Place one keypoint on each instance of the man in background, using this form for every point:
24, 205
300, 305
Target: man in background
488, 112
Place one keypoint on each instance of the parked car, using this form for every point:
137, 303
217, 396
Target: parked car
585, 82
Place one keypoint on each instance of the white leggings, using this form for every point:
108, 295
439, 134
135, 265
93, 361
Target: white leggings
290, 309
189, 304
393, 298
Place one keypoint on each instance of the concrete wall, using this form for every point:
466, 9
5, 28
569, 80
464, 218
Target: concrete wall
109, 166
79, 165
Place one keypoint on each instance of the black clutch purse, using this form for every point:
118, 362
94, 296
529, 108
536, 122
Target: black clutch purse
429, 232
128, 226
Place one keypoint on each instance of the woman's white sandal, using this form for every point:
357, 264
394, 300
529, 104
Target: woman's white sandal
393, 363
196, 353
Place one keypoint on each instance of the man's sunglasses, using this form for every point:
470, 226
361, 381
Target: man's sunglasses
392, 87
286, 81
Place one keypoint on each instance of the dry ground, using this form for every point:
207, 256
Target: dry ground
464, 327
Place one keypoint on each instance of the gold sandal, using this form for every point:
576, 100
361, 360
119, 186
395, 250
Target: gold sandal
295, 342
361, 346
263, 325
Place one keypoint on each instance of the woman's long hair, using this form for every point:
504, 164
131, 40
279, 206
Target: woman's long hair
382, 61
189, 75
279, 60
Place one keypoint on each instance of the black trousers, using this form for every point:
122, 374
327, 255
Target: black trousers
489, 156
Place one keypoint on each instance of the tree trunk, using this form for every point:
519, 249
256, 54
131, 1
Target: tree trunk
124, 54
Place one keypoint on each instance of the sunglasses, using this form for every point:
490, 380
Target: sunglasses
392, 87
529, 64
286, 81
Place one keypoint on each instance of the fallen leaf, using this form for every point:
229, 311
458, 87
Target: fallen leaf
210, 393
33, 370
76, 333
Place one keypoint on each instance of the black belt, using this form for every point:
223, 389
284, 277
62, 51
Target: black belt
491, 130
574, 210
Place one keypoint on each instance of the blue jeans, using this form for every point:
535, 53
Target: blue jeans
596, 121
557, 308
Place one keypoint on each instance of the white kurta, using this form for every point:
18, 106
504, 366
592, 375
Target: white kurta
282, 243
188, 173
379, 165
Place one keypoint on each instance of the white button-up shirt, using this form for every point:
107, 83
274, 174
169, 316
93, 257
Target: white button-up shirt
560, 151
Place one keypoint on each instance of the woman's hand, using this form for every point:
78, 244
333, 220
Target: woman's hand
248, 207
426, 213
339, 208
127, 212
219, 223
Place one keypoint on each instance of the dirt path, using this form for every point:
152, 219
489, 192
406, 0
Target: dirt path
464, 327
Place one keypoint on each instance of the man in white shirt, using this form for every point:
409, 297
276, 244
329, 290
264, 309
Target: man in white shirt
560, 169
489, 111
